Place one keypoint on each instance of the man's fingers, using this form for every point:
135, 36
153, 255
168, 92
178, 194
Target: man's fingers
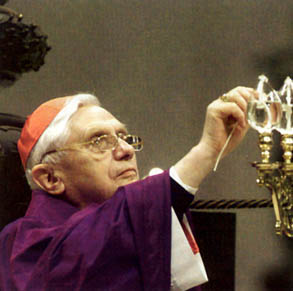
239, 96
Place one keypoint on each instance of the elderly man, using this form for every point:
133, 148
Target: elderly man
91, 224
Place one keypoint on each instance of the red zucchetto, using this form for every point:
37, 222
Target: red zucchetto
36, 124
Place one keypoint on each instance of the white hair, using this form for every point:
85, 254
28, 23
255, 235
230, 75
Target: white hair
56, 134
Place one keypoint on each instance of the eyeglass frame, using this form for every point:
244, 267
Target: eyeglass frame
95, 142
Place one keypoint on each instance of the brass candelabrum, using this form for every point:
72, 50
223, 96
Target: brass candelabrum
278, 178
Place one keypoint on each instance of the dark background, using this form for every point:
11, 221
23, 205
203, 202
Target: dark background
156, 65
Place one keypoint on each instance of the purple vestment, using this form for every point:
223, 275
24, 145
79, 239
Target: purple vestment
122, 244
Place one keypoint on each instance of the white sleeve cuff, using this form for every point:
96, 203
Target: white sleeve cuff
173, 174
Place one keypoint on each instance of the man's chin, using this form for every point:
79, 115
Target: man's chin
123, 181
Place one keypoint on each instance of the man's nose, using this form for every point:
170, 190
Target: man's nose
123, 150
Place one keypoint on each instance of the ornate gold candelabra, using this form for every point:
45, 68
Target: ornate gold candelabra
278, 177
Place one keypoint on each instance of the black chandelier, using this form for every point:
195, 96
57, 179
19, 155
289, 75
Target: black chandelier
22, 46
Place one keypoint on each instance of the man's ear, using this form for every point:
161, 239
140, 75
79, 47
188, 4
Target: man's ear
48, 179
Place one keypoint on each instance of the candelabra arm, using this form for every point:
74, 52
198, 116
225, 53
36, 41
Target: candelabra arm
269, 176
276, 207
278, 178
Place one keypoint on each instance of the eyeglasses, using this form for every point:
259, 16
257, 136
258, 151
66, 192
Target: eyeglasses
106, 142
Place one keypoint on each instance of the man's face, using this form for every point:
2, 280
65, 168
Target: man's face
94, 177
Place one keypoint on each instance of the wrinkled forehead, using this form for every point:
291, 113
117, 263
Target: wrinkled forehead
92, 119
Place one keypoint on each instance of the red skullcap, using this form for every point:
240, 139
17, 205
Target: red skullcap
36, 124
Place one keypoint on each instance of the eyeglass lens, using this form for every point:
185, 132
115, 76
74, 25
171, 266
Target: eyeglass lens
107, 142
